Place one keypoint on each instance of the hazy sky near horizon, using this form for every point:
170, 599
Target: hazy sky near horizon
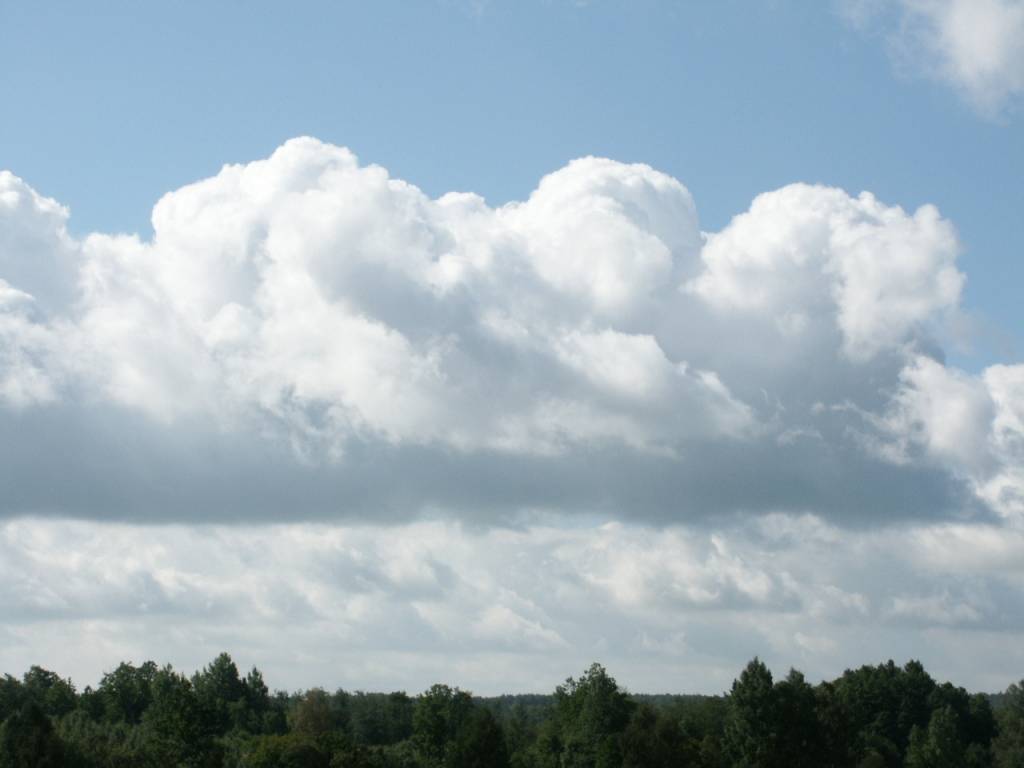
387, 343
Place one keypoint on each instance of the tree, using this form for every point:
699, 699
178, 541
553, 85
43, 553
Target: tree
312, 715
939, 745
833, 719
478, 743
54, 695
798, 736
125, 692
651, 741
591, 714
27, 740
291, 750
980, 729
437, 717
256, 716
222, 694
11, 696
376, 719
916, 691
1008, 746
89, 741
752, 719
175, 725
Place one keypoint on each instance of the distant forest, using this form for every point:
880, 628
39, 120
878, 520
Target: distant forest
141, 716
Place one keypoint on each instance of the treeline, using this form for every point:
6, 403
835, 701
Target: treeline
882, 716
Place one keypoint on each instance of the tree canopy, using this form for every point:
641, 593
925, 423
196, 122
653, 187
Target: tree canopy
145, 716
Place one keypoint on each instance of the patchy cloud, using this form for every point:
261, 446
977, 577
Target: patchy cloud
677, 609
975, 46
306, 337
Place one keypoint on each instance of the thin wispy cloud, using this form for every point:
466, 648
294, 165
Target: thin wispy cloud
974, 46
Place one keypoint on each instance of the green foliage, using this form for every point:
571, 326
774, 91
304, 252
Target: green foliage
176, 727
92, 742
223, 696
652, 740
293, 750
798, 733
939, 745
125, 693
590, 715
752, 721
313, 714
27, 740
1008, 746
881, 716
438, 716
378, 719
11, 696
478, 743
52, 694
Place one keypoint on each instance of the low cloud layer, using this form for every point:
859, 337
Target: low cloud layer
670, 609
306, 337
974, 46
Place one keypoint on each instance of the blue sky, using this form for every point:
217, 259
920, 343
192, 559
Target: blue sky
693, 399
110, 106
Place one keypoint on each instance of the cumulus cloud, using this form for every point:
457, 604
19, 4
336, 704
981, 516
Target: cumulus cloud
306, 337
678, 608
974, 425
805, 255
975, 46
346, 303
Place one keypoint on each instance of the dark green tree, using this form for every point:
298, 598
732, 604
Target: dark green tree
28, 740
54, 695
312, 715
834, 736
478, 743
752, 720
125, 692
980, 730
377, 719
591, 714
798, 735
937, 746
916, 690
175, 726
11, 696
438, 716
90, 742
291, 750
222, 694
1008, 746
653, 740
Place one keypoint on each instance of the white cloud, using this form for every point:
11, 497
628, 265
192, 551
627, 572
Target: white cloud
306, 335
975, 46
972, 424
307, 282
679, 609
805, 256
36, 254
26, 376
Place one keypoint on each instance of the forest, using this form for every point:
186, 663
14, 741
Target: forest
881, 716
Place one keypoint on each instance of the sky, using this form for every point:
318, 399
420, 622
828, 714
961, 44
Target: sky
382, 344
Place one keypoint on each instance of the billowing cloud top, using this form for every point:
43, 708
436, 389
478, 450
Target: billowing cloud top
305, 336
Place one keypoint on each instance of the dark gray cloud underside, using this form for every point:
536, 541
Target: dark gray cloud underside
110, 464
